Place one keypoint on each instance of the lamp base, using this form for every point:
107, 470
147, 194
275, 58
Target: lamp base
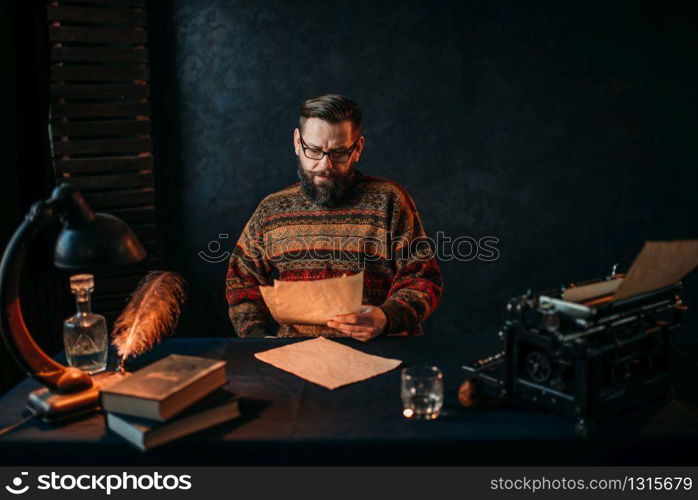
54, 407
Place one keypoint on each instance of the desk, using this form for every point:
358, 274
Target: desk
291, 421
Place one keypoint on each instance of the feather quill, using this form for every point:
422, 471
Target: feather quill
152, 312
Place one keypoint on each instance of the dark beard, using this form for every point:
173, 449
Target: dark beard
329, 193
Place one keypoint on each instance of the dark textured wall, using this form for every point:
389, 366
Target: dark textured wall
566, 131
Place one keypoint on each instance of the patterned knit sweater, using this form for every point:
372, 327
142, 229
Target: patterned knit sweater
376, 228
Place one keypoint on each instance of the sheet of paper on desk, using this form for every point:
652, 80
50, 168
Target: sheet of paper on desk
659, 264
313, 302
327, 363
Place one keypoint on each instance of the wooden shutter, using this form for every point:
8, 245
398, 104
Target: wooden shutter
100, 123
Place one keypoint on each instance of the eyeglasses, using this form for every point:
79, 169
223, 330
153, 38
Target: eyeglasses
335, 156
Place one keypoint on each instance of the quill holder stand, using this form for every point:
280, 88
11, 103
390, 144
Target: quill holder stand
87, 240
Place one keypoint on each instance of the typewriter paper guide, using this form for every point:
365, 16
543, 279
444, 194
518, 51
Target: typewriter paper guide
659, 264
314, 302
327, 363
586, 292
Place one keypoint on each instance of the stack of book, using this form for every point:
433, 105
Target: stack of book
171, 398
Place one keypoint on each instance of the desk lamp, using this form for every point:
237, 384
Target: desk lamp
87, 240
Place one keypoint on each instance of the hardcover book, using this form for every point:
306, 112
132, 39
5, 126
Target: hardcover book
221, 406
165, 388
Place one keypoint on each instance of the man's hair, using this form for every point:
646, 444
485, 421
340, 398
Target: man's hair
332, 108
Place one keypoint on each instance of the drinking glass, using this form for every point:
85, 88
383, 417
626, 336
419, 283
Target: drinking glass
422, 392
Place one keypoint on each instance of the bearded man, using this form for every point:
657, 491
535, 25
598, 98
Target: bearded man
335, 221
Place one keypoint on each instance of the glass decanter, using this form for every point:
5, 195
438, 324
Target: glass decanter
85, 334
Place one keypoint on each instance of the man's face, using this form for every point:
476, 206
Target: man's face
326, 181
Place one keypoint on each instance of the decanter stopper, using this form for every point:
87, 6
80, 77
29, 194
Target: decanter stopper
82, 284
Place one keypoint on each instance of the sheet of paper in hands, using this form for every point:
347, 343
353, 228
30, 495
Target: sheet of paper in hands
327, 363
314, 302
659, 264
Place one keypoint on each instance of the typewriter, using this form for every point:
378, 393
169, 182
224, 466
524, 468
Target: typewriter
579, 352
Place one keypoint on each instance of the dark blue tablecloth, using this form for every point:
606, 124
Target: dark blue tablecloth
290, 421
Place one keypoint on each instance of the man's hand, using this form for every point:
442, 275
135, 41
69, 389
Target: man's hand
364, 325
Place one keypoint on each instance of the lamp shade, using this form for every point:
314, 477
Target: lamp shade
101, 240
